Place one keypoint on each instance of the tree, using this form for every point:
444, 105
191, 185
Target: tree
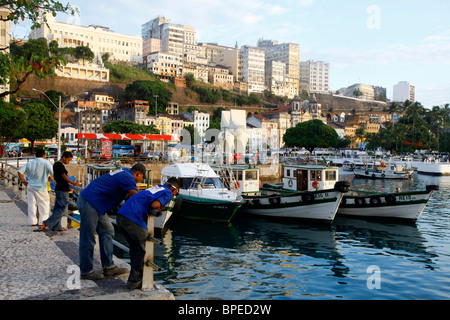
311, 134
40, 124
12, 122
127, 126
146, 90
14, 70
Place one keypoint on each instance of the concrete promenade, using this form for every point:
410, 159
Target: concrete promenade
43, 265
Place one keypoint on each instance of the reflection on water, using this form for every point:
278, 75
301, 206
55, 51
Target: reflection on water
255, 258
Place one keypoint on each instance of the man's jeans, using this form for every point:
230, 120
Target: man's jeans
60, 207
89, 225
136, 237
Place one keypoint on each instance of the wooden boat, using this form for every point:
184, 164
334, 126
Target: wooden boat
399, 205
276, 201
202, 195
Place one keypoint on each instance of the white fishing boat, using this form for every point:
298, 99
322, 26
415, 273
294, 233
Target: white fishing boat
389, 171
202, 194
286, 201
399, 205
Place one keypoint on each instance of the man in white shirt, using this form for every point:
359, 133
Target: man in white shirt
37, 172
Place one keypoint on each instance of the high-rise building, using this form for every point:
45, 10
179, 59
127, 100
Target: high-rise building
288, 53
253, 64
174, 39
404, 91
315, 76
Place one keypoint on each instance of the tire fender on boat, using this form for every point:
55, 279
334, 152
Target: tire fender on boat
308, 197
177, 205
390, 198
375, 201
275, 200
360, 201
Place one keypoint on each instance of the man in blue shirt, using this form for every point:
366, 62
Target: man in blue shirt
37, 173
132, 222
101, 195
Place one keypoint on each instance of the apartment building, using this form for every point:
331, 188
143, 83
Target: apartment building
403, 91
315, 76
364, 91
229, 57
99, 39
252, 61
275, 78
5, 36
288, 53
165, 65
175, 39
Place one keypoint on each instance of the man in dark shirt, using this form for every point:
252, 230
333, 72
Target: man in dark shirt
62, 190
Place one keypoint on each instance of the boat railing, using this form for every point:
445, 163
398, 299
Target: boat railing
10, 175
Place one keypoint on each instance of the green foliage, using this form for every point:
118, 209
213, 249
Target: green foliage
126, 126
12, 122
16, 66
311, 134
126, 74
146, 90
40, 124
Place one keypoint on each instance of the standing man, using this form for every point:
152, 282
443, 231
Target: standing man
37, 172
132, 222
101, 195
62, 190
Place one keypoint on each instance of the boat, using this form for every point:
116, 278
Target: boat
202, 194
399, 205
391, 171
285, 201
434, 167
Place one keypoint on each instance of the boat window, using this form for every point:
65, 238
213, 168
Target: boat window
288, 172
208, 183
251, 175
330, 175
316, 175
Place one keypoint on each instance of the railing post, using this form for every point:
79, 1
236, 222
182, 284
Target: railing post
147, 277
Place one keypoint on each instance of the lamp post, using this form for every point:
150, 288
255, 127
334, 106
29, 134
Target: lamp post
59, 120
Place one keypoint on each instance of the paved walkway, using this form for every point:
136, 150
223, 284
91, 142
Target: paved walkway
40, 265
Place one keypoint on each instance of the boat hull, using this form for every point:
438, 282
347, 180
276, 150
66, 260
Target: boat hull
207, 210
406, 206
322, 207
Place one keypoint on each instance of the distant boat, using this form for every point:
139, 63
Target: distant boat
400, 205
202, 194
391, 171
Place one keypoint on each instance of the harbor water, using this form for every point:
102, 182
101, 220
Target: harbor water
352, 259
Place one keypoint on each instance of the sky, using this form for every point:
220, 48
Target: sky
374, 42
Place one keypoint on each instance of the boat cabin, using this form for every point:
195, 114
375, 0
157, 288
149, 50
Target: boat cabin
242, 177
95, 171
309, 177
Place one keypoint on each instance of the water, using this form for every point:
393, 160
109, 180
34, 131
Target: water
255, 258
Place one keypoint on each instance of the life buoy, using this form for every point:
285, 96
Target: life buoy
390, 198
275, 200
307, 197
375, 201
315, 184
360, 201
237, 185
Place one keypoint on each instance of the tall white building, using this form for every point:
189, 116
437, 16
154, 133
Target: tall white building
5, 30
99, 39
404, 91
253, 66
176, 39
315, 76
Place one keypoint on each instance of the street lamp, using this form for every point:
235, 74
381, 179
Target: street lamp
59, 120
